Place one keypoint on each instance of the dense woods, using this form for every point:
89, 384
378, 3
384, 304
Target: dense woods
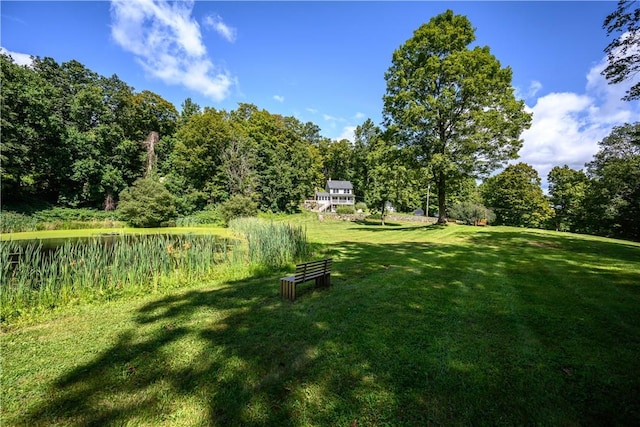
74, 139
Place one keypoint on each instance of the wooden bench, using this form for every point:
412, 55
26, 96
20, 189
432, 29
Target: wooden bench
320, 271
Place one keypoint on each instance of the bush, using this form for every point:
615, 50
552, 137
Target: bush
470, 213
12, 222
147, 203
238, 206
72, 214
361, 206
54, 219
345, 210
211, 215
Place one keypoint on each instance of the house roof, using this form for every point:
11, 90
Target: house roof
339, 184
322, 194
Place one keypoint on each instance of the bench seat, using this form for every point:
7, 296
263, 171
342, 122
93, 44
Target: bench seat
319, 270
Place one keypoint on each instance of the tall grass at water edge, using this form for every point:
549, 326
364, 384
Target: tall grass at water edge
33, 278
272, 244
56, 219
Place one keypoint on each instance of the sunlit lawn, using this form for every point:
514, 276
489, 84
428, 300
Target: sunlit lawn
422, 325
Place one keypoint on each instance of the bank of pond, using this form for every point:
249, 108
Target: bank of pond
47, 273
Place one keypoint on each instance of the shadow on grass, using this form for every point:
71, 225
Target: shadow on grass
497, 331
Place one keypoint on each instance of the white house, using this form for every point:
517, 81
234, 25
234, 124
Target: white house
338, 193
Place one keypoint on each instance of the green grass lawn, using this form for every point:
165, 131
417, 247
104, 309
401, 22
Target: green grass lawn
422, 325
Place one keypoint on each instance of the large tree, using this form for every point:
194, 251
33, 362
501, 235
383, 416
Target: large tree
623, 53
567, 192
613, 196
516, 197
452, 106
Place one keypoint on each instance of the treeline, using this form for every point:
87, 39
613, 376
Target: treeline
602, 199
73, 138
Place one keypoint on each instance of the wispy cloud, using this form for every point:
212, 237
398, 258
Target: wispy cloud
167, 42
567, 127
278, 98
359, 116
216, 23
534, 88
530, 92
312, 110
18, 58
331, 118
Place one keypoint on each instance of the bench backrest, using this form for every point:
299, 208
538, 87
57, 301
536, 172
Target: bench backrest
313, 269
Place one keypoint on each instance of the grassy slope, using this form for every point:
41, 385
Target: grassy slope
455, 325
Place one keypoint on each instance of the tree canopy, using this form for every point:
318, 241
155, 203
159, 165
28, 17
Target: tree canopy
623, 53
516, 197
451, 106
613, 196
567, 189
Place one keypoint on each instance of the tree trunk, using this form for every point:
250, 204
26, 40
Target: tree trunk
382, 215
150, 143
442, 206
109, 203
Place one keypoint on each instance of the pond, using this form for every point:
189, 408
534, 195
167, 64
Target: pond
50, 272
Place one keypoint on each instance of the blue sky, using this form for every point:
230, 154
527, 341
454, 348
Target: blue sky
325, 61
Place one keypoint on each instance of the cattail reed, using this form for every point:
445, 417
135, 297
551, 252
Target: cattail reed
271, 244
32, 277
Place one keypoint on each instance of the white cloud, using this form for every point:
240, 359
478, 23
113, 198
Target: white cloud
167, 42
348, 132
278, 98
567, 127
18, 58
312, 110
359, 116
216, 22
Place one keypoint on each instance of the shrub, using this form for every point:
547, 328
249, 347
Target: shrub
56, 218
237, 206
147, 203
12, 222
345, 210
361, 206
211, 215
72, 214
470, 213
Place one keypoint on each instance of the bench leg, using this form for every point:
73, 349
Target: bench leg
288, 290
324, 281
